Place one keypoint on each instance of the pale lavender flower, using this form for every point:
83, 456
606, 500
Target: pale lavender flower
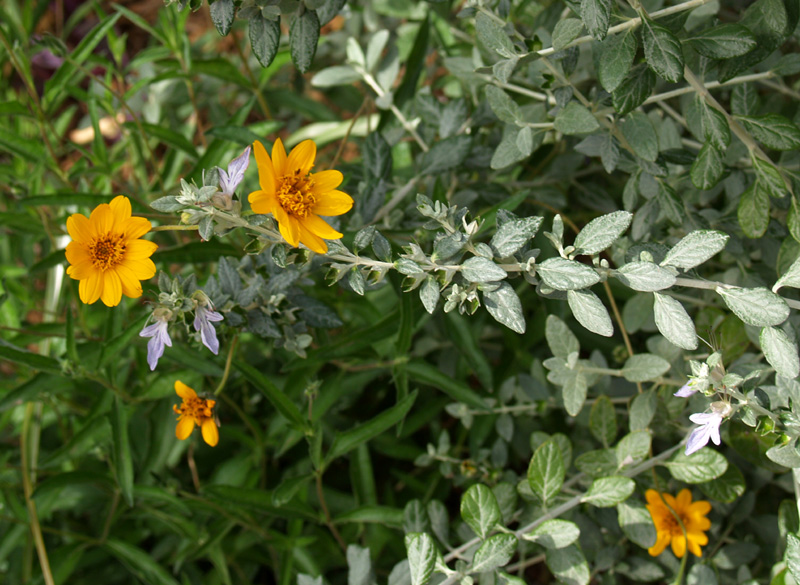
686, 390
698, 382
202, 323
709, 426
159, 337
228, 181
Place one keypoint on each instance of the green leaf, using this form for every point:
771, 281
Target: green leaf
114, 347
780, 351
546, 471
644, 367
597, 463
755, 306
645, 276
568, 565
708, 123
303, 39
638, 130
495, 552
674, 322
222, 13
503, 304
421, 557
68, 72
596, 15
425, 373
769, 178
744, 99
140, 563
566, 31
662, 50
590, 312
479, 510
575, 119
513, 234
167, 136
275, 396
221, 69
122, 450
613, 59
773, 131
789, 278
708, 167
446, 154
699, 467
609, 491
633, 448
603, 420
634, 89
493, 37
753, 211
369, 514
18, 355
574, 390
792, 556
695, 248
724, 41
265, 38
554, 534
601, 232
561, 341
503, 106
636, 523
562, 274
480, 269
727, 487
26, 148
336, 75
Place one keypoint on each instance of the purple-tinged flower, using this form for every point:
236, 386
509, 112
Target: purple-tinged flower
159, 337
202, 323
709, 426
700, 381
686, 390
228, 181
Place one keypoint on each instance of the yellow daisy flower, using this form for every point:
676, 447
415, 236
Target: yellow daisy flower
692, 515
296, 197
195, 411
106, 254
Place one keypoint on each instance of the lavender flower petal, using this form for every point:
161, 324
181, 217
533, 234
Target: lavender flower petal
159, 337
708, 429
208, 334
686, 390
228, 181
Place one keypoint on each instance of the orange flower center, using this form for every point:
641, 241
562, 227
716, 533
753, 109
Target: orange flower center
197, 408
295, 194
671, 523
107, 251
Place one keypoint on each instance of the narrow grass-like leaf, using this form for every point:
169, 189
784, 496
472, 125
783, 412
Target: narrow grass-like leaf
272, 393
123, 463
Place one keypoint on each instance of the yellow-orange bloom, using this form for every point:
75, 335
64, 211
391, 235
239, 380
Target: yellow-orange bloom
195, 411
106, 254
296, 197
692, 515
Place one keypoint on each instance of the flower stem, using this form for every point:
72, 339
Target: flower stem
174, 228
228, 362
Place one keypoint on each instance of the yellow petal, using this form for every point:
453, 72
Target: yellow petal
121, 209
81, 271
684, 500
131, 287
333, 203
80, 228
112, 289
320, 228
278, 158
312, 241
287, 226
184, 428
210, 432
184, 391
301, 158
662, 540
134, 228
701, 508
142, 269
77, 253
266, 173
103, 219
679, 546
139, 249
325, 181
261, 202
91, 288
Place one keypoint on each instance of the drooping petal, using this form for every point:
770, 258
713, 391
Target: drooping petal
139, 249
301, 158
325, 181
184, 391
288, 227
679, 545
184, 428
662, 540
80, 228
266, 172
261, 202
121, 209
333, 203
91, 288
112, 289
134, 228
686, 390
278, 158
320, 228
697, 440
312, 240
155, 349
210, 432
102, 218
